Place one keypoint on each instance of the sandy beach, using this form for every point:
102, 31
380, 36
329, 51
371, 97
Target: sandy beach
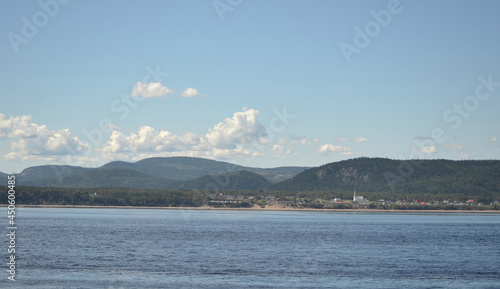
258, 208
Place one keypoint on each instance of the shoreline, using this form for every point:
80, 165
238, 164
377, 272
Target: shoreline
257, 208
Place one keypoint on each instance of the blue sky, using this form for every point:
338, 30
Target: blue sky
258, 83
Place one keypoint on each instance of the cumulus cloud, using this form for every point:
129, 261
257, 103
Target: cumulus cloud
281, 151
33, 141
226, 139
341, 139
150, 90
147, 139
191, 92
240, 135
242, 128
330, 148
493, 139
19, 126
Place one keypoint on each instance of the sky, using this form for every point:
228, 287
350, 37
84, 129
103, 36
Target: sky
256, 83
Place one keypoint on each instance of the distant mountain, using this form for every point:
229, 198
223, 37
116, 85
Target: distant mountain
239, 180
386, 175
188, 168
99, 178
367, 175
177, 168
48, 171
149, 173
3, 176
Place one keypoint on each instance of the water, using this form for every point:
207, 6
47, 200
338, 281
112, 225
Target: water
140, 248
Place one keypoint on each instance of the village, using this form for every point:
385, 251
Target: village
239, 200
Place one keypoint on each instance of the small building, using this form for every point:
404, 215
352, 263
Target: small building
358, 199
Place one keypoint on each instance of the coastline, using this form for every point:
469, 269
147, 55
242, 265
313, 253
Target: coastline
267, 208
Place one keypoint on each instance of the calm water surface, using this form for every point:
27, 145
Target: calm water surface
140, 248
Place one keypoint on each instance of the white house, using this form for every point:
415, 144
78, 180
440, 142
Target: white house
358, 199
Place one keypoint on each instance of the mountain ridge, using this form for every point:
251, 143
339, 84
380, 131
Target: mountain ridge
170, 169
108, 178
398, 176
366, 175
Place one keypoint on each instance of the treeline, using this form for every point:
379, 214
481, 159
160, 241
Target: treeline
108, 197
196, 198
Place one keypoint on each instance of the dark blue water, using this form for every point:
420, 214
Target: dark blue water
139, 248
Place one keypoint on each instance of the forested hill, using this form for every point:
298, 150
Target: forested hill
367, 175
100, 178
190, 168
239, 180
151, 169
394, 176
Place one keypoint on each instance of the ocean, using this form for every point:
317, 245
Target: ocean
155, 248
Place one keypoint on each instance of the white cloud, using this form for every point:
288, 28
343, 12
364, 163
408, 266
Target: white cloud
281, 152
341, 139
32, 141
191, 92
493, 139
230, 138
226, 139
150, 90
330, 148
147, 139
425, 150
19, 126
242, 128
361, 139
282, 140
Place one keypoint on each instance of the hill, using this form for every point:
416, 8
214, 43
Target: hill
189, 168
3, 176
101, 178
239, 180
151, 172
176, 168
399, 177
49, 171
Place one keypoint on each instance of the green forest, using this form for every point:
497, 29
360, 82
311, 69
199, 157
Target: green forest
197, 198
385, 183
